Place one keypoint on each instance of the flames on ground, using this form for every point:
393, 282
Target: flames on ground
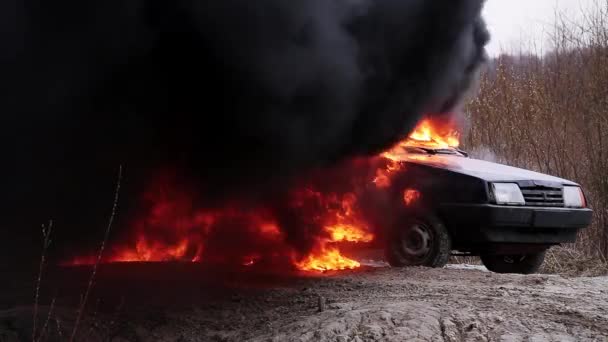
303, 229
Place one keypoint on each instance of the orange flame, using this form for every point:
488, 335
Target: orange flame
383, 175
155, 251
174, 229
341, 223
330, 258
433, 133
325, 260
410, 196
430, 132
345, 232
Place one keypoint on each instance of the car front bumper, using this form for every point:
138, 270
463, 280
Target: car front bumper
513, 224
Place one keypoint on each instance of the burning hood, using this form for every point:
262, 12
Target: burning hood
482, 169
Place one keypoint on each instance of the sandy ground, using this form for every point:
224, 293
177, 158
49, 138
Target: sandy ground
369, 304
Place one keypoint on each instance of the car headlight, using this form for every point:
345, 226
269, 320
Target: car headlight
507, 193
573, 197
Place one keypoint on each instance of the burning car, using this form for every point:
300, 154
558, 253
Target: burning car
448, 201
419, 201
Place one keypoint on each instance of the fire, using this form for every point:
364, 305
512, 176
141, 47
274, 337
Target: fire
251, 259
270, 230
383, 175
341, 222
174, 226
329, 258
344, 232
410, 196
326, 260
156, 251
431, 133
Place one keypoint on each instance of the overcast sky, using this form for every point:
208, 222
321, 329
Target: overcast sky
512, 22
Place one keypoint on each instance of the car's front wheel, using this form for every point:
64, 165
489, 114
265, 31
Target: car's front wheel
420, 240
518, 263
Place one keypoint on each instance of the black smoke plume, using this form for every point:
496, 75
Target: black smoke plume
237, 94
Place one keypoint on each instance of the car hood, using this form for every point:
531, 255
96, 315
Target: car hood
482, 169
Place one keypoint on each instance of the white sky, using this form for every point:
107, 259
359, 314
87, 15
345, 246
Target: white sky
516, 24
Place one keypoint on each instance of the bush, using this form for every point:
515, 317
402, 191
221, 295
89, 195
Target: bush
549, 113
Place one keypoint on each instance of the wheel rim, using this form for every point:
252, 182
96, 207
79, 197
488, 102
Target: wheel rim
415, 243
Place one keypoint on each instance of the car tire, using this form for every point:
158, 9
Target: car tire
521, 263
420, 240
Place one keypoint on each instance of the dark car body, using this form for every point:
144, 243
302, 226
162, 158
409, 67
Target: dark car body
457, 190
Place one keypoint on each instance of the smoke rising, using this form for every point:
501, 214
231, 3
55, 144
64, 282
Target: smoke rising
236, 94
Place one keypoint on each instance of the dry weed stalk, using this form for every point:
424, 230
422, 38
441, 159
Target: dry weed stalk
102, 247
59, 329
46, 242
45, 326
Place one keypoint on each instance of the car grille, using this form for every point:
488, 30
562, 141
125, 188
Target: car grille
541, 196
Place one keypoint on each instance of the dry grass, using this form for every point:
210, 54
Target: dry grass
569, 261
563, 260
468, 260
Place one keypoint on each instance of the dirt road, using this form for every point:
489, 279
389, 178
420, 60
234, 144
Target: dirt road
371, 304
425, 305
